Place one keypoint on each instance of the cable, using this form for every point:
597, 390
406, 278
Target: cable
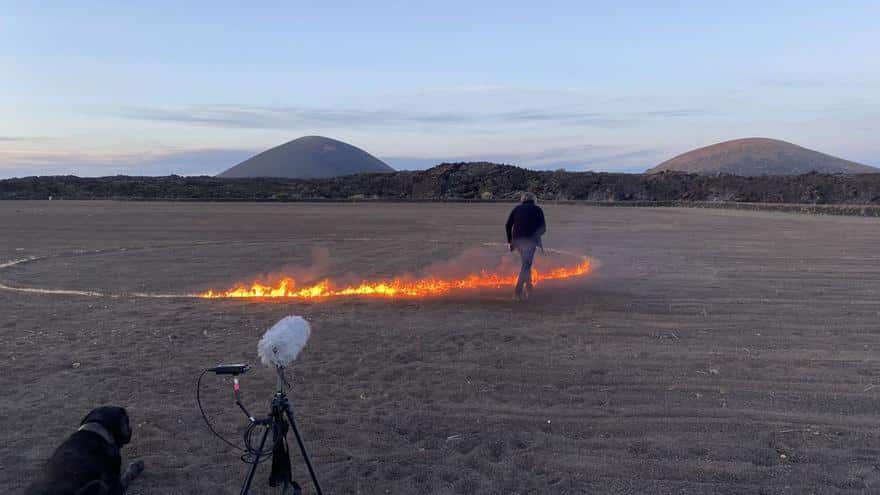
205, 416
251, 452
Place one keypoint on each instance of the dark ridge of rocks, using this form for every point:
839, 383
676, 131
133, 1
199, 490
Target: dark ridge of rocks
465, 181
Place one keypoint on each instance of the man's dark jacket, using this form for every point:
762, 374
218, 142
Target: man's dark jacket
526, 221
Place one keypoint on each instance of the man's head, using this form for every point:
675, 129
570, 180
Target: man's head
527, 196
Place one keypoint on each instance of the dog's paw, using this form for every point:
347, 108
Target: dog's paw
134, 470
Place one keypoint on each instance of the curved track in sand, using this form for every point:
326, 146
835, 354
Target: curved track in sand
154, 295
75, 292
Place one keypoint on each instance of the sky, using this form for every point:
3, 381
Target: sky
96, 88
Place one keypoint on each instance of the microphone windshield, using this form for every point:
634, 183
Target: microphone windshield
282, 343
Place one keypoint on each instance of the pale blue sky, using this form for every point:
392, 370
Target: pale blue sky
99, 87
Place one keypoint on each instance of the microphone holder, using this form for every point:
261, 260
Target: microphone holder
277, 422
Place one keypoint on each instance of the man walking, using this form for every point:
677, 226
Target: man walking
525, 226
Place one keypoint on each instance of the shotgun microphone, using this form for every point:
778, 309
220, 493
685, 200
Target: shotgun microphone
282, 343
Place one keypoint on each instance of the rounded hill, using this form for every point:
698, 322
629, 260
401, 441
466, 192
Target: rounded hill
309, 157
759, 156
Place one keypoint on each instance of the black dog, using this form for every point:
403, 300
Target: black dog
89, 462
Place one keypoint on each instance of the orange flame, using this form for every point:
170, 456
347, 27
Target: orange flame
396, 288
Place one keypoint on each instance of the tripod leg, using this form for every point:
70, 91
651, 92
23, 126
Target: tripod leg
302, 448
247, 484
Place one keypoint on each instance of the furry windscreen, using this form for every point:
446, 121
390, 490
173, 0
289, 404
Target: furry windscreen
282, 343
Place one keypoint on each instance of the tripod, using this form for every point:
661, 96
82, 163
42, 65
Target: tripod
279, 419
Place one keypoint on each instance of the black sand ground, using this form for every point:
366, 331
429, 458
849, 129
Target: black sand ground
714, 352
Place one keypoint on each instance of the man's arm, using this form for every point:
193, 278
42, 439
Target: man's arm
509, 227
542, 227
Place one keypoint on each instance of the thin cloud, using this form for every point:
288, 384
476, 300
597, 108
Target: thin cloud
572, 158
566, 117
473, 89
258, 117
213, 161
677, 112
262, 117
25, 139
183, 162
817, 83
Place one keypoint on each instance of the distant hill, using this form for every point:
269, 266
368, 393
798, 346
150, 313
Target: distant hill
309, 157
759, 156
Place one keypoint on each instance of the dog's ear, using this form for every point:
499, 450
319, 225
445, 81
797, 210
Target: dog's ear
114, 419
125, 429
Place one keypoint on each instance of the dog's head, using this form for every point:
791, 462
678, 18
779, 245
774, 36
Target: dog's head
114, 419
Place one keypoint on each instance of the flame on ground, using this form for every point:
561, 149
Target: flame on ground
396, 288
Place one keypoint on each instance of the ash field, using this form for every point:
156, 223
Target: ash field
709, 351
